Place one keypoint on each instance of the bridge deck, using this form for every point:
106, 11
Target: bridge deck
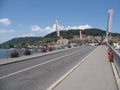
95, 73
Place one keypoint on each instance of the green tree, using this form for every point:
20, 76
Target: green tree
24, 45
110, 42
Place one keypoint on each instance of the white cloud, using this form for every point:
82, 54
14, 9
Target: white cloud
48, 29
42, 31
78, 27
5, 21
36, 28
6, 31
51, 29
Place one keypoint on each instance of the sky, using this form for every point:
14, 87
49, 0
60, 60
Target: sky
25, 18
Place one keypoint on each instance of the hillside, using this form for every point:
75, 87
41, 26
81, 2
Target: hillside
71, 33
21, 40
53, 37
66, 34
88, 32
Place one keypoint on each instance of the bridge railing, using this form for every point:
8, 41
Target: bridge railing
116, 55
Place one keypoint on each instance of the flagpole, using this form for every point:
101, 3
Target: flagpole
58, 32
81, 38
110, 13
57, 28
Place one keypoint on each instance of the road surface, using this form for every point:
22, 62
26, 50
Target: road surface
41, 72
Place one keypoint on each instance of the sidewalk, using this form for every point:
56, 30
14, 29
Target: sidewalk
95, 73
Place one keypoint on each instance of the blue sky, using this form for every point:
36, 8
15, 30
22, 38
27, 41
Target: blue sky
20, 18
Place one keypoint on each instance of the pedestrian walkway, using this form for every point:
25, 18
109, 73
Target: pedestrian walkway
95, 73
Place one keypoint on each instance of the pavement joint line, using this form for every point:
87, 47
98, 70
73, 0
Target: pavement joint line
37, 65
69, 72
116, 75
19, 59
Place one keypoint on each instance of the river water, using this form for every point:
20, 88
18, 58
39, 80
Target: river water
5, 53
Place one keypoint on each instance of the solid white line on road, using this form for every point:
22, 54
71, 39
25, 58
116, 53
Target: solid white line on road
68, 73
37, 65
116, 75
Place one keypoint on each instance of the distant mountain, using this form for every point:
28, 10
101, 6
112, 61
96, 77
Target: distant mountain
16, 41
53, 36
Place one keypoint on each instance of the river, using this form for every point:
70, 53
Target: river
5, 53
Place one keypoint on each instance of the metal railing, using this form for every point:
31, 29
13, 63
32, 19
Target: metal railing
116, 55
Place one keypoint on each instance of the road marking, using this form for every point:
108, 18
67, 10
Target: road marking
69, 72
37, 65
116, 75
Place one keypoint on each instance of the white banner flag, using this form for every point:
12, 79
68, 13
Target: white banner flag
110, 12
80, 35
57, 28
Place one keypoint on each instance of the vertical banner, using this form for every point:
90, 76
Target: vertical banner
80, 35
110, 12
57, 28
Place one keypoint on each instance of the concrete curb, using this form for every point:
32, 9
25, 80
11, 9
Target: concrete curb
69, 72
116, 75
23, 58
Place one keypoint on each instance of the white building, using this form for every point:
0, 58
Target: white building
116, 45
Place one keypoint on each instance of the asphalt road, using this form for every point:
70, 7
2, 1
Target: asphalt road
41, 72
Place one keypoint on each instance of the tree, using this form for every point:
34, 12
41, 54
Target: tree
11, 46
110, 42
24, 45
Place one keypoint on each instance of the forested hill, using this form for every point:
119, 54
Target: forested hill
88, 32
21, 40
53, 36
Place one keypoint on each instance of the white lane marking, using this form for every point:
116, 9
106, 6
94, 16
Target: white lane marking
37, 65
69, 72
116, 75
